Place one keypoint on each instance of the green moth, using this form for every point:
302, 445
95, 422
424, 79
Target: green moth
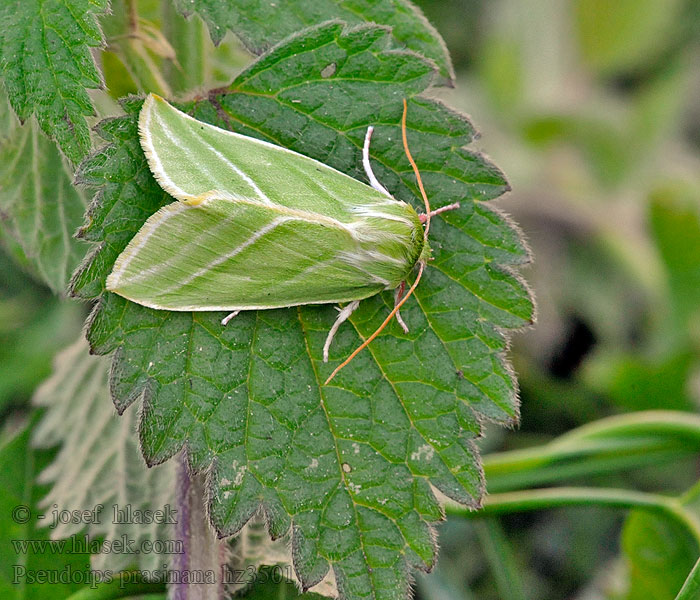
257, 226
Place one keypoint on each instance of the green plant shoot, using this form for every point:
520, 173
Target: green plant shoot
257, 226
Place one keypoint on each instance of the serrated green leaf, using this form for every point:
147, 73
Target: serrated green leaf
46, 64
350, 466
39, 205
99, 462
260, 25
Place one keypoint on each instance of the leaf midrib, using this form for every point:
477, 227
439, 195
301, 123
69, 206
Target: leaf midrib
339, 460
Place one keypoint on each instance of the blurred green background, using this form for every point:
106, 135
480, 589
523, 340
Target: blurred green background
591, 109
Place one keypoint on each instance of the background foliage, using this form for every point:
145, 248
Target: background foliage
589, 108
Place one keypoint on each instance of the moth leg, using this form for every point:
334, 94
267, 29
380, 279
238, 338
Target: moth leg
424, 218
228, 317
373, 181
343, 315
399, 294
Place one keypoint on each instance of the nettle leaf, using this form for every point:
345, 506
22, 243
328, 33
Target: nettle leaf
99, 461
46, 64
39, 205
259, 25
349, 467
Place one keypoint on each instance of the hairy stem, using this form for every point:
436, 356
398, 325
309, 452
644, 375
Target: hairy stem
197, 571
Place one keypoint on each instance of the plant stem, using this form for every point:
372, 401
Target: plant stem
203, 554
678, 424
498, 552
611, 444
540, 499
182, 528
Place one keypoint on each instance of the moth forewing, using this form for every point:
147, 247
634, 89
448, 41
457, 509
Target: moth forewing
257, 226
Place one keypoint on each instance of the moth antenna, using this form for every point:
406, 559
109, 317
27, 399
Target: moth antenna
416, 171
438, 211
421, 263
